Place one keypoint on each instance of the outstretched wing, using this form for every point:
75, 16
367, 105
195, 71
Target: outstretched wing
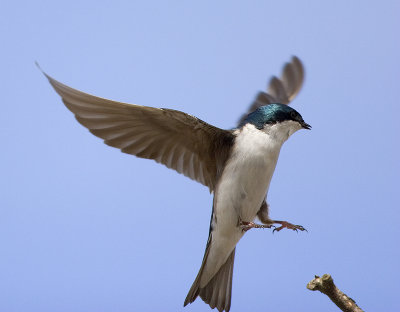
177, 140
280, 90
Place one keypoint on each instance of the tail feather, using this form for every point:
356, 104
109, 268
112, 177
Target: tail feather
218, 292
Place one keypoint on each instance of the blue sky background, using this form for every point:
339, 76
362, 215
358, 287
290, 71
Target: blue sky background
85, 228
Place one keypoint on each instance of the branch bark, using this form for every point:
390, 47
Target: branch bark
325, 285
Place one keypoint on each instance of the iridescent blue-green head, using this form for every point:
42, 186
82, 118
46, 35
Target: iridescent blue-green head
273, 114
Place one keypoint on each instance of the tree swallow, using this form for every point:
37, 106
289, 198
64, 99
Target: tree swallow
236, 165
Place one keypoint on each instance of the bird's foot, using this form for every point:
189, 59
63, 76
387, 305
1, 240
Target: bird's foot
245, 226
288, 225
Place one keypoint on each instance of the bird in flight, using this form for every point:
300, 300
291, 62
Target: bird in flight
236, 165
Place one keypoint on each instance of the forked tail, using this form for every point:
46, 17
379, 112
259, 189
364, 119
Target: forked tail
217, 293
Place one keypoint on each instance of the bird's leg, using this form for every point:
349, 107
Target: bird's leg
245, 226
285, 224
263, 215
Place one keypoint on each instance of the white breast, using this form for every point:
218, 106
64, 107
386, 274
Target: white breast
242, 188
246, 178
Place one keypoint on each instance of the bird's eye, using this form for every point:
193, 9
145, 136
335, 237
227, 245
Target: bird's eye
293, 115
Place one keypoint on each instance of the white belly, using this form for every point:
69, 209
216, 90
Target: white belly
238, 196
244, 185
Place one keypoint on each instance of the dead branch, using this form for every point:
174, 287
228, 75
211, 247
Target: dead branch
325, 285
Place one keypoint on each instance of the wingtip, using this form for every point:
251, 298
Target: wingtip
295, 58
38, 66
298, 62
43, 72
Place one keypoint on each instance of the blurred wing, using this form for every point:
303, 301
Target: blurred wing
177, 140
282, 90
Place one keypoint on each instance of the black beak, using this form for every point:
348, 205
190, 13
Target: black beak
305, 125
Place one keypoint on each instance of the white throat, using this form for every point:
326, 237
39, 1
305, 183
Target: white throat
281, 131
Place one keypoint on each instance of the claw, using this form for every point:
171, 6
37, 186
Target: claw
288, 225
245, 226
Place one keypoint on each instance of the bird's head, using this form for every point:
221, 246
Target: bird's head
282, 118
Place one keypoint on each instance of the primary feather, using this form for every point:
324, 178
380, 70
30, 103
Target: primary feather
177, 140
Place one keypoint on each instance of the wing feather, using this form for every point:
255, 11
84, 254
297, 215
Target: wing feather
179, 141
280, 90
